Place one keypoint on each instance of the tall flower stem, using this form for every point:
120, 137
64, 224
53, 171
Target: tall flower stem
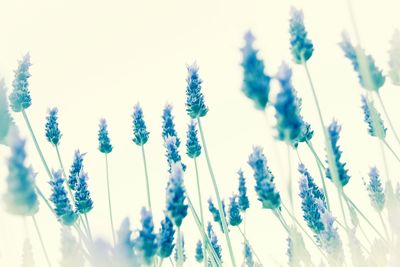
221, 212
328, 145
391, 150
109, 199
179, 247
147, 178
384, 160
28, 124
203, 233
88, 227
365, 218
290, 185
201, 209
41, 241
319, 163
388, 118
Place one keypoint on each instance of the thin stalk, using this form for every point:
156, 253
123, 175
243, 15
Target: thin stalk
161, 262
88, 227
384, 160
388, 118
44, 199
365, 218
202, 232
290, 186
147, 178
391, 150
304, 230
384, 226
172, 263
201, 209
64, 173
179, 246
26, 119
221, 213
319, 162
328, 145
41, 241
247, 242
109, 199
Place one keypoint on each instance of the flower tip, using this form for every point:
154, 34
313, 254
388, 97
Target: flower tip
249, 37
284, 72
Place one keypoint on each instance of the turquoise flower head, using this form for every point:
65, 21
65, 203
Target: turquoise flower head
53, 133
20, 97
193, 147
146, 242
20, 197
75, 170
140, 133
104, 140
199, 256
124, 253
369, 76
300, 46
334, 135
195, 105
375, 190
235, 217
248, 255
214, 241
168, 125
265, 186
256, 84
166, 238
62, 204
373, 119
83, 201
244, 202
176, 206
290, 125
394, 58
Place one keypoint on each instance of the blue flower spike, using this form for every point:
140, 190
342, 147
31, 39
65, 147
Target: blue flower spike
146, 243
375, 190
195, 105
372, 117
175, 194
53, 133
256, 84
166, 238
83, 201
103, 137
300, 46
243, 199
20, 98
140, 133
193, 147
168, 125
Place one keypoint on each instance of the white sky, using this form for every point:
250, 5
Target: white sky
94, 59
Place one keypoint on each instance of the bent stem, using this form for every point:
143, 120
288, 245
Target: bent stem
147, 178
41, 241
109, 199
221, 213
391, 149
201, 208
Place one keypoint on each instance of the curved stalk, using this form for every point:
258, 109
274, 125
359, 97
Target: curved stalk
109, 199
147, 178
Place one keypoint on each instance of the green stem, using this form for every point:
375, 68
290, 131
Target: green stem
388, 118
222, 215
179, 246
391, 149
64, 173
41, 241
200, 227
172, 263
147, 178
88, 227
319, 163
201, 209
384, 160
26, 119
364, 217
109, 200
161, 262
290, 186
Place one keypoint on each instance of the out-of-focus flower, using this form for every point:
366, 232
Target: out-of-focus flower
394, 58
176, 207
20, 97
375, 190
166, 238
71, 255
7, 123
373, 118
300, 46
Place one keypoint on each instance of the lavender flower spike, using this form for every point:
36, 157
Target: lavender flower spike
168, 125
83, 201
300, 46
244, 202
75, 170
195, 106
166, 238
146, 243
20, 98
104, 140
53, 133
140, 133
375, 190
193, 147
176, 207
372, 115
265, 187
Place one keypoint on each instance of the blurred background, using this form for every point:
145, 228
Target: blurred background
95, 59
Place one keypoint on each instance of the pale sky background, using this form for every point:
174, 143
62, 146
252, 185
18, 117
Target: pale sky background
94, 59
